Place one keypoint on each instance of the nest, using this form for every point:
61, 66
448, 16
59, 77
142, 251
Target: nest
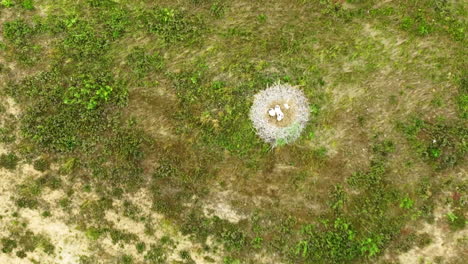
284, 125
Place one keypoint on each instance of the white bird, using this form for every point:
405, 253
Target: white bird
279, 113
286, 106
272, 112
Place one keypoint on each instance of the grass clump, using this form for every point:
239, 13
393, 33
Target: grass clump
41, 165
19, 36
441, 144
28, 192
90, 92
17, 32
27, 4
22, 241
82, 41
7, 3
456, 220
8, 245
217, 109
142, 62
8, 161
172, 25
156, 254
125, 259
359, 226
429, 17
337, 244
463, 97
7, 131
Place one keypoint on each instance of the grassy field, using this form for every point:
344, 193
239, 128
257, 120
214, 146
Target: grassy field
125, 134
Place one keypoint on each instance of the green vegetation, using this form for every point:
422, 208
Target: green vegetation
463, 97
90, 93
8, 161
41, 165
23, 241
172, 25
441, 144
143, 63
127, 121
155, 255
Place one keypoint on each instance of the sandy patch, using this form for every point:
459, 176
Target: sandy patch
220, 206
69, 243
162, 228
12, 107
444, 244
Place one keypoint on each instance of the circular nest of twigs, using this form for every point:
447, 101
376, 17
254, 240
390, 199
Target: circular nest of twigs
280, 114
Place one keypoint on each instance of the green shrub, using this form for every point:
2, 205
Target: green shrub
227, 127
62, 105
421, 21
87, 260
45, 244
233, 239
121, 236
384, 148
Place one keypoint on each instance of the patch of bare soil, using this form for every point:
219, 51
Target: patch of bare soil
69, 242
153, 108
220, 205
162, 228
12, 107
281, 188
451, 247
